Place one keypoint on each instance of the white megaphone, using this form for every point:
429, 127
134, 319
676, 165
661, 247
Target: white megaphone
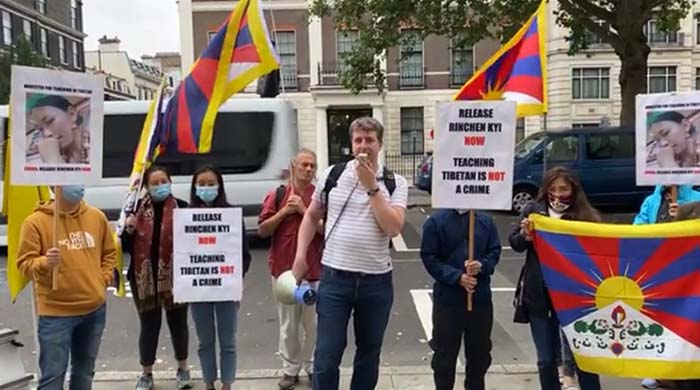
285, 284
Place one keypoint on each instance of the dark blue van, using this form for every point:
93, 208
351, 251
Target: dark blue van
603, 159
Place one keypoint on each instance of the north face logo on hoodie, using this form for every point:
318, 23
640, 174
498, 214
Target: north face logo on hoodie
77, 241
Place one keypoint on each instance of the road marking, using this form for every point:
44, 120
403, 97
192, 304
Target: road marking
400, 245
424, 308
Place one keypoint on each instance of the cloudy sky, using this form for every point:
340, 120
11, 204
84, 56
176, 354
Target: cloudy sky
143, 26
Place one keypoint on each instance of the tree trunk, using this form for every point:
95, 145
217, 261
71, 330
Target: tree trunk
633, 77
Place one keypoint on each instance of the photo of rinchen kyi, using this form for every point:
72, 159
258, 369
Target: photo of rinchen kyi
57, 131
673, 139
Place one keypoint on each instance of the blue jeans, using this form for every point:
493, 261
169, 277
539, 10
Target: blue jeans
210, 319
77, 337
547, 337
368, 298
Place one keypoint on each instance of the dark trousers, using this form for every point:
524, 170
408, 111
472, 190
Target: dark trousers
453, 325
368, 299
547, 337
150, 331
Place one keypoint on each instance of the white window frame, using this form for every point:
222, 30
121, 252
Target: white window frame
76, 54
27, 29
667, 77
603, 74
62, 55
44, 38
41, 6
453, 81
291, 81
338, 54
421, 81
7, 28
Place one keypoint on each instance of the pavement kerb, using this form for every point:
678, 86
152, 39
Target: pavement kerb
118, 376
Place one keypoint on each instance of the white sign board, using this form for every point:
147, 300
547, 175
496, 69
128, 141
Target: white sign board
56, 127
668, 138
473, 156
208, 255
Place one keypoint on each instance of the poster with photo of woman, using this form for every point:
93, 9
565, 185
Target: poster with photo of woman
56, 127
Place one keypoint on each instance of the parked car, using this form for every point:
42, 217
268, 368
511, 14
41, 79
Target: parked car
424, 177
602, 157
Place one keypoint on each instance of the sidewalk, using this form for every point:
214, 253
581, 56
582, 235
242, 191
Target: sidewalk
391, 378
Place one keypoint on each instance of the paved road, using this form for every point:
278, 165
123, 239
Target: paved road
406, 337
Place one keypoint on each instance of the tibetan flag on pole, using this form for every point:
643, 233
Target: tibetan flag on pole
240, 52
518, 70
627, 296
23, 200
146, 152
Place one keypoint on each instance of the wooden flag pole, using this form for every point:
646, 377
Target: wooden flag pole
471, 254
674, 194
56, 210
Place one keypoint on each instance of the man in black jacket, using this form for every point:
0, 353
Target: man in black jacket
445, 255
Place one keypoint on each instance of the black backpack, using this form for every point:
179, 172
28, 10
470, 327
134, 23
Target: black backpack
337, 170
332, 181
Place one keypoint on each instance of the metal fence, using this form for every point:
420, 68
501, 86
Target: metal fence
405, 165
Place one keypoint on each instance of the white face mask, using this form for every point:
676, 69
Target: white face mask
462, 211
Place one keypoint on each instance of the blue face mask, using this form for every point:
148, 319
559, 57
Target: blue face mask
207, 193
160, 192
72, 194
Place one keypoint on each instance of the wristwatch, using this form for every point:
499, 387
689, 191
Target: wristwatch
373, 191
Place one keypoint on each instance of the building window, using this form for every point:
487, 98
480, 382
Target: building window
697, 30
697, 79
590, 83
76, 55
651, 31
462, 64
661, 79
562, 149
6, 28
74, 15
27, 29
583, 125
44, 42
609, 146
411, 66
210, 35
591, 38
412, 130
345, 41
287, 50
40, 6
62, 55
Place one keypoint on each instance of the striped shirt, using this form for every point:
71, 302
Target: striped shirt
357, 243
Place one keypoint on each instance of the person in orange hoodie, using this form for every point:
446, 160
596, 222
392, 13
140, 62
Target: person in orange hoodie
72, 315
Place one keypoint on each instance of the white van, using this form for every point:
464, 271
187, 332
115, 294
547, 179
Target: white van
253, 143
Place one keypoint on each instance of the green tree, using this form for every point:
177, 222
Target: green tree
618, 23
21, 53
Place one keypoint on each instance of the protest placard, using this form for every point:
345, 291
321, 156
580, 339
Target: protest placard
207, 255
56, 127
473, 157
668, 138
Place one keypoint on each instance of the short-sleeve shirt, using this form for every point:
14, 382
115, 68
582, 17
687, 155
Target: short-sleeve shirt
283, 245
356, 242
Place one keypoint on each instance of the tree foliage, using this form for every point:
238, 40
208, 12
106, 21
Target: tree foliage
618, 23
21, 53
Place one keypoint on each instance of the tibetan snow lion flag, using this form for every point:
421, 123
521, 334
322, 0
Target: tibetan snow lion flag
627, 297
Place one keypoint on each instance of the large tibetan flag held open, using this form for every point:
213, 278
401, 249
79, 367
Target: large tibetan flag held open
627, 296
240, 52
518, 70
